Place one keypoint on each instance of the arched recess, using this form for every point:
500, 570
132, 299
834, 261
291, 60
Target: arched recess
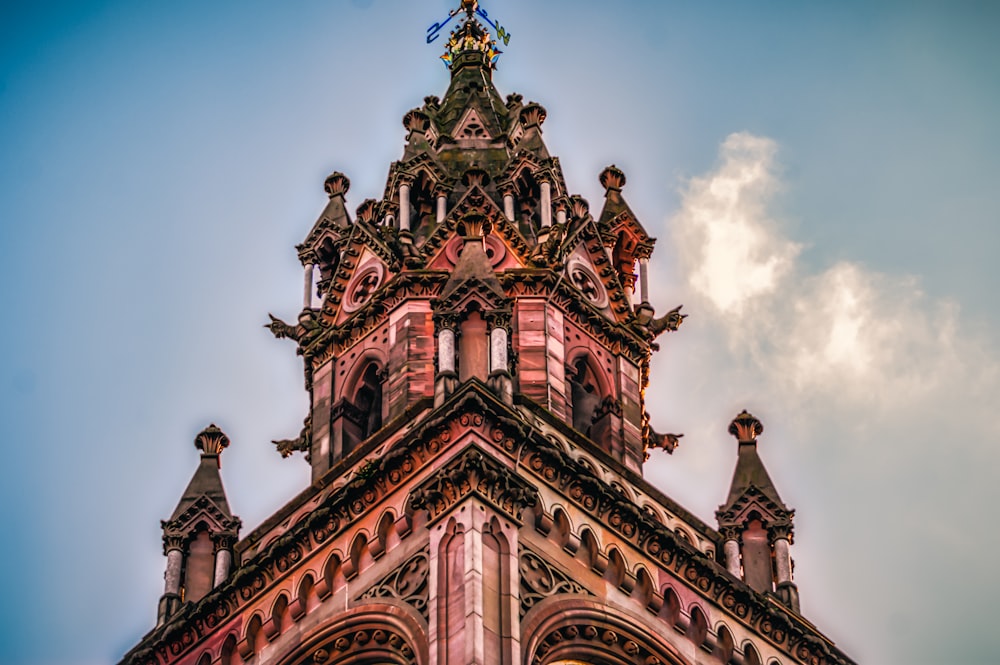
227, 655
698, 628
587, 391
362, 407
750, 655
473, 345
725, 645
375, 634
577, 630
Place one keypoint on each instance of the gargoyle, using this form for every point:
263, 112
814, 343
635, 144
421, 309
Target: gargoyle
667, 442
303, 443
671, 321
307, 329
281, 330
548, 252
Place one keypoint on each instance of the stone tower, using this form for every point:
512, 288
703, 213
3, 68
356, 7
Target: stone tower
476, 345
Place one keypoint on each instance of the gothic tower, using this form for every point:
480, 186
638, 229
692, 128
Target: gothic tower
476, 345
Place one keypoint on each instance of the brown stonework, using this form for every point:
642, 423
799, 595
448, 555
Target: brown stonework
476, 431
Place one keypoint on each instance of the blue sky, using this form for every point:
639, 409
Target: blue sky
821, 178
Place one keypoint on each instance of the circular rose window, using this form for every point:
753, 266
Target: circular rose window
583, 278
366, 281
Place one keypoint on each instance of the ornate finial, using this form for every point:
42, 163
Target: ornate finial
211, 440
470, 37
746, 428
475, 176
612, 177
416, 120
366, 211
532, 115
336, 184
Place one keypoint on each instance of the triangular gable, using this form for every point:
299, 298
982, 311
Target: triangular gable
582, 274
475, 202
752, 500
586, 241
472, 129
367, 265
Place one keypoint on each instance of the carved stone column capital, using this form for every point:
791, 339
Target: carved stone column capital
498, 318
223, 541
731, 532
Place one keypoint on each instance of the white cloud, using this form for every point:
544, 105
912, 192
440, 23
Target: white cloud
845, 330
878, 402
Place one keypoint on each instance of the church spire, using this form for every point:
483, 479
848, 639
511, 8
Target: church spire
199, 536
755, 522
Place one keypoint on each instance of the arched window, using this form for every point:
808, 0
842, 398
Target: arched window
361, 407
585, 395
368, 399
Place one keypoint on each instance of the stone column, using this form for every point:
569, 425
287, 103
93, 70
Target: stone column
223, 559
446, 378
171, 598
731, 549
498, 350
442, 207
446, 350
561, 211
172, 578
782, 557
499, 379
644, 280
404, 207
307, 295
508, 204
784, 587
546, 203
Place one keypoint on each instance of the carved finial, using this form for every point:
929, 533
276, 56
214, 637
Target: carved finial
470, 7
211, 440
416, 120
579, 206
532, 115
612, 178
337, 184
366, 211
746, 428
475, 176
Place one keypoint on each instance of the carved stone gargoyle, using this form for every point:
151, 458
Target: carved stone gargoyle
671, 321
303, 333
302, 443
667, 442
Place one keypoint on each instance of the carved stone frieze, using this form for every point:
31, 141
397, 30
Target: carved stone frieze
407, 583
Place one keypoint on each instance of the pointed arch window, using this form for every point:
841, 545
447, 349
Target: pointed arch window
368, 400
585, 395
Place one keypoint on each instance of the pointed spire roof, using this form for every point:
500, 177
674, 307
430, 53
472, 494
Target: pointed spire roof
205, 495
750, 473
471, 56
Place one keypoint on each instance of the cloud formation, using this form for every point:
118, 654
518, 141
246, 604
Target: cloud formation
883, 401
870, 335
